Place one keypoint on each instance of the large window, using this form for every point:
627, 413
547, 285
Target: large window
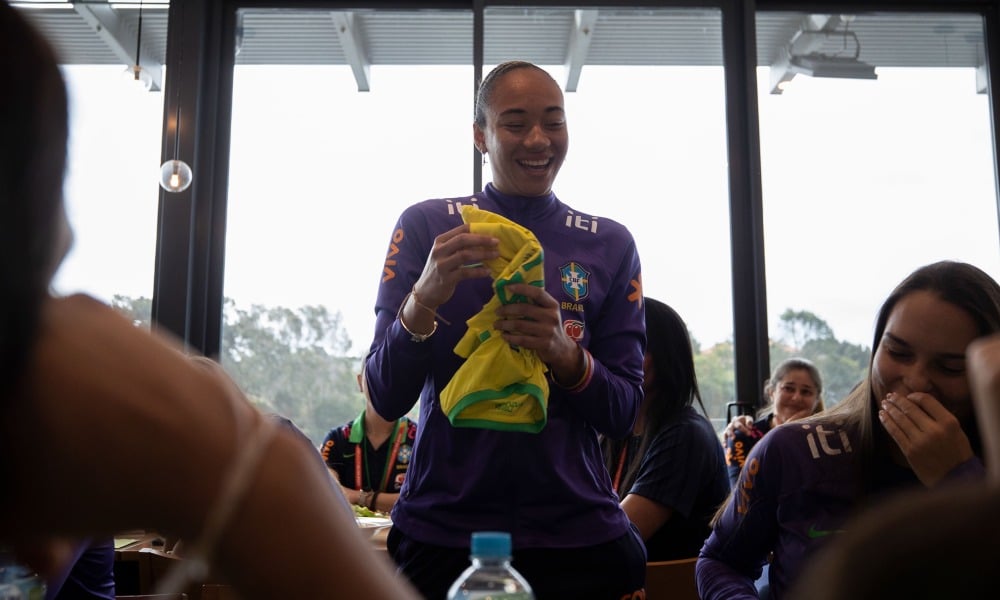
647, 149
111, 187
319, 172
865, 180
340, 119
113, 161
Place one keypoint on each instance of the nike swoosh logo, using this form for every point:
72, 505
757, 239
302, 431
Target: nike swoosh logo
814, 533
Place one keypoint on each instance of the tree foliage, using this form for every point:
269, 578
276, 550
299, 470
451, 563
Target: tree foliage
138, 310
295, 363
298, 362
802, 326
716, 378
841, 364
292, 362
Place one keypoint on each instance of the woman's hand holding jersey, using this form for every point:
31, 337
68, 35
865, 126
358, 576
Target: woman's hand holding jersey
456, 255
537, 325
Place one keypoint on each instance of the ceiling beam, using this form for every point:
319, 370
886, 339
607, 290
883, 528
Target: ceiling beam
579, 46
120, 38
354, 48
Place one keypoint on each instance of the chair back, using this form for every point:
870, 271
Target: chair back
217, 591
671, 580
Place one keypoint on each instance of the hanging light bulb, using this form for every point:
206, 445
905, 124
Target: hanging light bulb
136, 75
175, 175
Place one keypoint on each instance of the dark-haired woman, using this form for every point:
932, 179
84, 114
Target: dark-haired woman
909, 425
670, 473
580, 324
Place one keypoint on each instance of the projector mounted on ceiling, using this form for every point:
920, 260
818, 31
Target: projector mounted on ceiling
821, 65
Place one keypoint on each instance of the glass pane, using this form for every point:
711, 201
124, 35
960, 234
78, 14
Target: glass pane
112, 187
647, 149
865, 180
319, 172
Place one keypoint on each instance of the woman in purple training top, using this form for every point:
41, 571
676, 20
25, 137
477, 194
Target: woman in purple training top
549, 489
911, 424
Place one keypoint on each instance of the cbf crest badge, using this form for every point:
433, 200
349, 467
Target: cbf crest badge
575, 280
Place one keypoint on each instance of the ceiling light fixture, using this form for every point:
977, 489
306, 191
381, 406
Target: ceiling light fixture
175, 174
135, 74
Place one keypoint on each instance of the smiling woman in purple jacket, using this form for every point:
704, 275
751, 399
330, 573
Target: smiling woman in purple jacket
548, 488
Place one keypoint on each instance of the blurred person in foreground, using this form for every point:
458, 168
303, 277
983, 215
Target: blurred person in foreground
520, 361
911, 425
82, 391
670, 473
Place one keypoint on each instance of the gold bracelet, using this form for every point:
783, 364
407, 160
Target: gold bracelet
414, 336
416, 300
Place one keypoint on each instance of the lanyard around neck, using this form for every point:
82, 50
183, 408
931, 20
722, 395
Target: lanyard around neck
361, 459
621, 466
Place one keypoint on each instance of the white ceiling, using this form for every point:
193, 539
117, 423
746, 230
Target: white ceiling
102, 33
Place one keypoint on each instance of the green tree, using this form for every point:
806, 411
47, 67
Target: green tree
802, 326
716, 379
841, 364
138, 310
292, 362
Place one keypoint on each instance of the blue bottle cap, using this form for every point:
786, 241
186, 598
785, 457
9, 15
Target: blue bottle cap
491, 543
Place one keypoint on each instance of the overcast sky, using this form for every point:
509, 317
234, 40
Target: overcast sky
863, 181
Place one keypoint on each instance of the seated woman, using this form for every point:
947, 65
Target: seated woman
884, 555
369, 456
795, 390
909, 426
670, 474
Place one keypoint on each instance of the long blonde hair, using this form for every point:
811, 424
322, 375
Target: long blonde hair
960, 284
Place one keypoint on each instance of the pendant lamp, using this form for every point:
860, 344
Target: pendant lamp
175, 174
135, 74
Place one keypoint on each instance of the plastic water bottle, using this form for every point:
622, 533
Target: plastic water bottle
18, 582
490, 577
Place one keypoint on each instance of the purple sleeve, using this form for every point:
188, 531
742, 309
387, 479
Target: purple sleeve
717, 580
970, 470
89, 574
736, 550
397, 368
610, 401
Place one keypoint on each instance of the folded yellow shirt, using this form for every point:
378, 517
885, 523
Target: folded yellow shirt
499, 386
